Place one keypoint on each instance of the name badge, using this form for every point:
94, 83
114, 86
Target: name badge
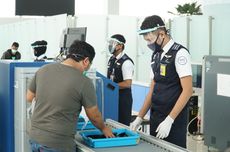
163, 70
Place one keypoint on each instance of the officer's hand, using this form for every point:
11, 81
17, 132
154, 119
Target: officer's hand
164, 127
108, 132
136, 123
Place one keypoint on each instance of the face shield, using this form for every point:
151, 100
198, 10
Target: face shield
145, 31
112, 43
151, 36
39, 50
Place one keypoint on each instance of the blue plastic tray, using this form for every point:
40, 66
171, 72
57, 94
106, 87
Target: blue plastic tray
87, 127
128, 138
81, 122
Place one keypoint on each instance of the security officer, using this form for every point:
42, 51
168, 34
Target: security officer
39, 48
12, 53
171, 86
120, 70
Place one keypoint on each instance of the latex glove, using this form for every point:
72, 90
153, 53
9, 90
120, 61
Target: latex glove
164, 128
136, 123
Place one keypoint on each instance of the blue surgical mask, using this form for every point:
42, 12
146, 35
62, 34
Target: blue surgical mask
154, 47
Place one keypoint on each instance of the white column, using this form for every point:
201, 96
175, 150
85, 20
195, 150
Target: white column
113, 7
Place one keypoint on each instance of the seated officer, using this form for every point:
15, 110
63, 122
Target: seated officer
12, 53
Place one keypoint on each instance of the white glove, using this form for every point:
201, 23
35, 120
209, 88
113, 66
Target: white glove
136, 123
164, 127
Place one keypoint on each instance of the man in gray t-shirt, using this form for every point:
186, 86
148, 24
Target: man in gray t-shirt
60, 90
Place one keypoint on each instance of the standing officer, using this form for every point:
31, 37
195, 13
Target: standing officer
120, 70
171, 86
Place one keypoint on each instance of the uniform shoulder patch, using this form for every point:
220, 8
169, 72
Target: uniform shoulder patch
182, 60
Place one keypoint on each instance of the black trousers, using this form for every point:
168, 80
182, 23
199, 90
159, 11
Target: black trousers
125, 106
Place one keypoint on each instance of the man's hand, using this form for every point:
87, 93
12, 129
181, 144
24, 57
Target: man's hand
164, 127
94, 116
108, 132
136, 123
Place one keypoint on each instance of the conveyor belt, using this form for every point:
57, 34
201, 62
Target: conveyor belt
147, 143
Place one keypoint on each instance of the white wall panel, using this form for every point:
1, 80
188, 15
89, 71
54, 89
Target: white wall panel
4, 44
199, 37
97, 37
221, 32
28, 31
52, 32
179, 30
143, 57
194, 33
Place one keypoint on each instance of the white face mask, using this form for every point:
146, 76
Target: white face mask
13, 51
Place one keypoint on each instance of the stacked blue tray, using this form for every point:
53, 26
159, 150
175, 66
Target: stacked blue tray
81, 124
124, 137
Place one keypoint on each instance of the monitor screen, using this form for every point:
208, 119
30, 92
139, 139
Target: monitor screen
71, 34
196, 75
44, 7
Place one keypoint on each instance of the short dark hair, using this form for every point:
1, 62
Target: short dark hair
15, 44
119, 37
39, 43
151, 22
82, 50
